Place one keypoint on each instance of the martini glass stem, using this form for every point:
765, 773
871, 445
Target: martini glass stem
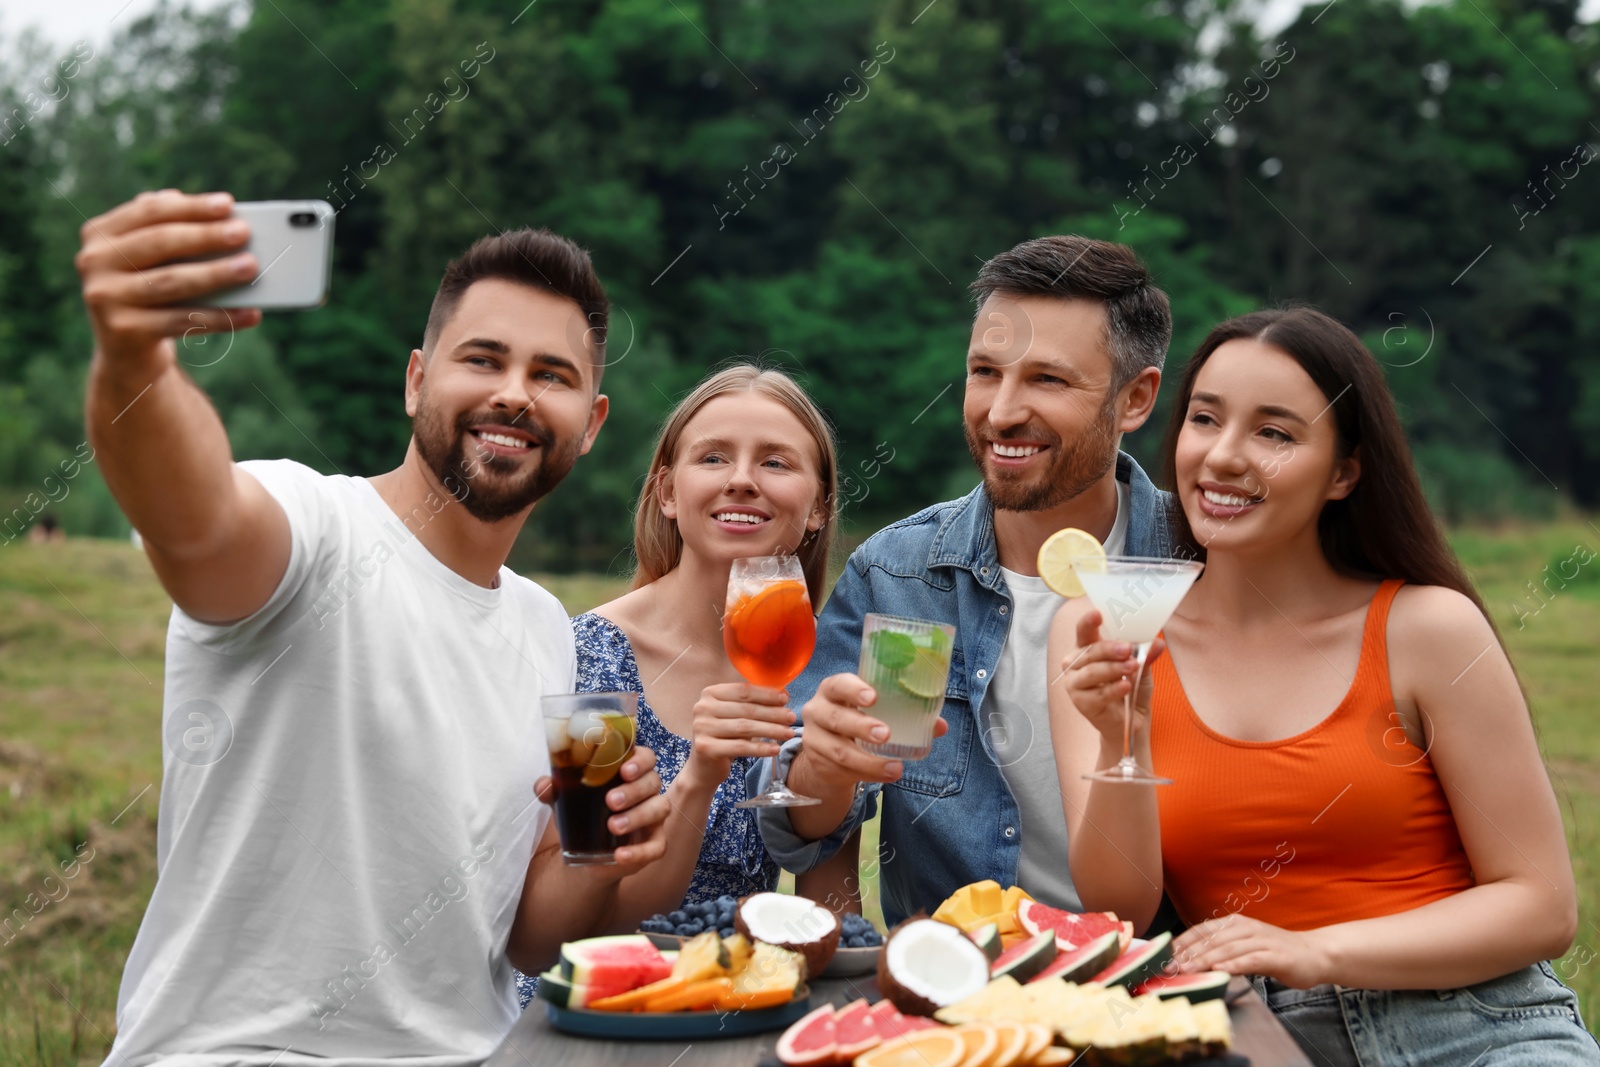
1143, 648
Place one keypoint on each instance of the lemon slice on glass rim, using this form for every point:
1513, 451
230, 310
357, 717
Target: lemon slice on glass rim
1057, 554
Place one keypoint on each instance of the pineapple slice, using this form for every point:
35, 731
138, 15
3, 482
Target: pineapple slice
739, 951
990, 1002
770, 968
1214, 1027
702, 956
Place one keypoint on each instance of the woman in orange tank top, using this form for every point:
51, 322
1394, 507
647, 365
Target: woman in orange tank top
1359, 816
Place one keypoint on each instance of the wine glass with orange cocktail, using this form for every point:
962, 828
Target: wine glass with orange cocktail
770, 633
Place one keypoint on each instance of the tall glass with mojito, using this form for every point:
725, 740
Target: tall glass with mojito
907, 662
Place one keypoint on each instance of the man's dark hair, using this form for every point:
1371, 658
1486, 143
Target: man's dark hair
536, 258
1138, 318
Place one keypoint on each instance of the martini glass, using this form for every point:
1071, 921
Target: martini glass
1135, 596
769, 633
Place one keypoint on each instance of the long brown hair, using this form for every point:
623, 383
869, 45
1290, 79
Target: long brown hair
1384, 528
657, 544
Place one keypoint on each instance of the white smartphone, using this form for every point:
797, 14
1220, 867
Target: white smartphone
292, 241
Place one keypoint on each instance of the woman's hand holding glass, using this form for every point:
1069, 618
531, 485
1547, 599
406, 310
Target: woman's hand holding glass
1098, 678
733, 720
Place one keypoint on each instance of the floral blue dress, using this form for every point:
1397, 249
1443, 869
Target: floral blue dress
733, 859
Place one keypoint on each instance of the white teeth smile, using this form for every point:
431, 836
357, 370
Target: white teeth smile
1227, 501
503, 440
739, 516
1015, 451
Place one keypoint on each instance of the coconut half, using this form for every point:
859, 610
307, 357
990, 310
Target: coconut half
790, 922
927, 964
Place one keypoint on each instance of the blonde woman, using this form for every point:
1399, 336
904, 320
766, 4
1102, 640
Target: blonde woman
745, 466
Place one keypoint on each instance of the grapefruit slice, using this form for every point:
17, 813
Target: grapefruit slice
1073, 929
891, 1024
811, 1040
855, 1029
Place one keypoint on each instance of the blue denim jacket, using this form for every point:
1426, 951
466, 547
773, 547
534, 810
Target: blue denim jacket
951, 819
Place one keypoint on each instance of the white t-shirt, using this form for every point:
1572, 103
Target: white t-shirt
1017, 718
347, 808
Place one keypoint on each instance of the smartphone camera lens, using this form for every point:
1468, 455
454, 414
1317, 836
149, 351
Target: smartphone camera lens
303, 219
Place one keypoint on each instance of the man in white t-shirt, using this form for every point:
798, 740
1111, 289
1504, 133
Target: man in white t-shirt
351, 850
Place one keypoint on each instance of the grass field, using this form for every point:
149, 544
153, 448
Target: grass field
81, 642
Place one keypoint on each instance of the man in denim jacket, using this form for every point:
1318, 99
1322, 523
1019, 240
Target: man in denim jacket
1065, 357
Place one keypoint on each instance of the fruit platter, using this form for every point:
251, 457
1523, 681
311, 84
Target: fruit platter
998, 979
774, 915
714, 980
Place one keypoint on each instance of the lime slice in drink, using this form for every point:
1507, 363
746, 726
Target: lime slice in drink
1058, 554
935, 640
926, 675
890, 650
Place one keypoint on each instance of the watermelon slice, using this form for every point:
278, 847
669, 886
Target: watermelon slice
1073, 929
987, 937
1196, 987
811, 1040
611, 965
855, 1030
562, 993
1081, 964
1026, 959
1142, 960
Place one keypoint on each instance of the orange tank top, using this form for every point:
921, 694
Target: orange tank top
1344, 821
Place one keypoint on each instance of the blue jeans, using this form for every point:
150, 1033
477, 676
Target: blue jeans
1524, 1018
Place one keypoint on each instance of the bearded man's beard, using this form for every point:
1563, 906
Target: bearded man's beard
1075, 465
489, 486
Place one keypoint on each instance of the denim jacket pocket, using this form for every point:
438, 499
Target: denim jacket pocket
944, 771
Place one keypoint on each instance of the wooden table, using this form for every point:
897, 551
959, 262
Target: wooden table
1257, 1034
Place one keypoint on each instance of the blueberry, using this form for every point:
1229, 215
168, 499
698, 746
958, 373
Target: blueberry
656, 926
727, 902
692, 927
727, 931
678, 918
871, 939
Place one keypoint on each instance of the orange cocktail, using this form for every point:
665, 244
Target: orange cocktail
770, 633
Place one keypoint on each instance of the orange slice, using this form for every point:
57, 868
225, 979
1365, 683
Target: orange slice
982, 1041
921, 1048
1011, 1042
1039, 1039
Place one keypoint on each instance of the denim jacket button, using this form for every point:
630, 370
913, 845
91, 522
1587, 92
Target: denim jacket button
1003, 609
984, 571
1011, 831
982, 673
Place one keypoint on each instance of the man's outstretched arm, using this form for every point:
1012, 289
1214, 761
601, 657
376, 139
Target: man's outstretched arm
217, 539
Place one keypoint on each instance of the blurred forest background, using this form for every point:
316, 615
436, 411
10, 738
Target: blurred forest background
814, 184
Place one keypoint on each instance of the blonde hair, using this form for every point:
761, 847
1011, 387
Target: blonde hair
657, 544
